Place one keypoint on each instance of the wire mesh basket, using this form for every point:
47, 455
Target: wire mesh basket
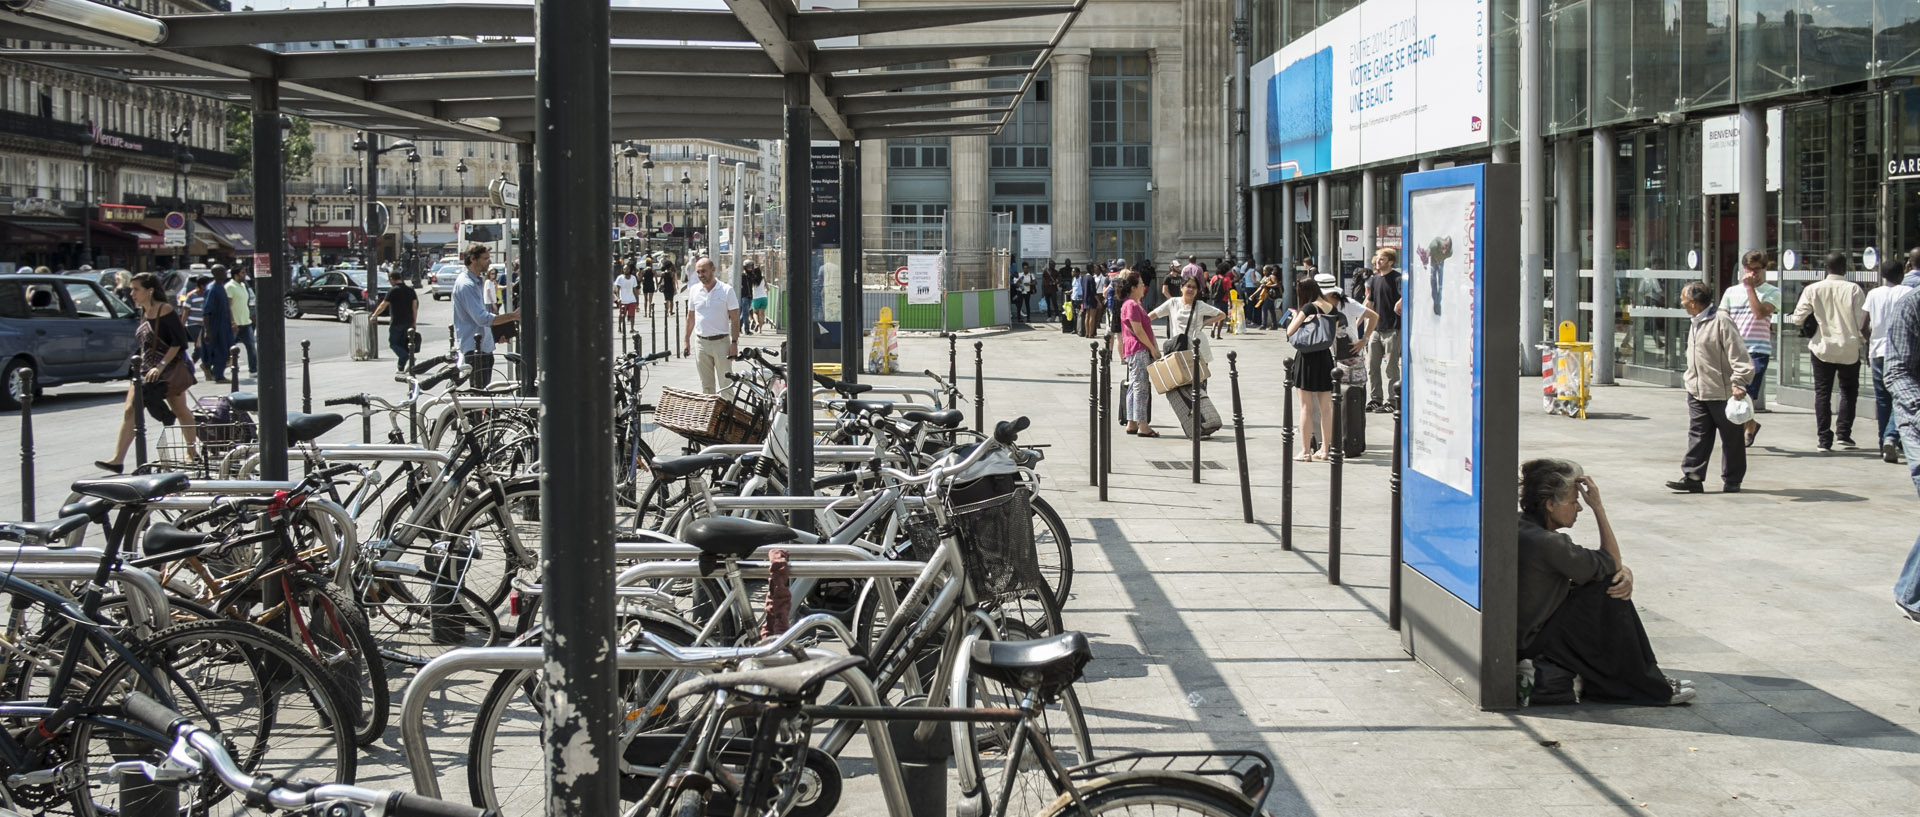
710, 418
414, 575
994, 518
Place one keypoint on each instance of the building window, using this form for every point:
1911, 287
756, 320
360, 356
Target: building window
916, 227
1121, 96
930, 152
1120, 229
438, 148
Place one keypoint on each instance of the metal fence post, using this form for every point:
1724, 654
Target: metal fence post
1286, 461
1393, 526
1240, 438
135, 375
953, 368
1093, 415
24, 384
306, 377
979, 389
1335, 450
1193, 412
1106, 411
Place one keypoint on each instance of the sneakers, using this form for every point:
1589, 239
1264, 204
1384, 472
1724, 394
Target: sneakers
1910, 615
1824, 448
1730, 488
1890, 451
1687, 485
1848, 444
1682, 693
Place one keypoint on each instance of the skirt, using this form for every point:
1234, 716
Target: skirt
1313, 371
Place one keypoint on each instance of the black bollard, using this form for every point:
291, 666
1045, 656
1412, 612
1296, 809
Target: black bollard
979, 389
653, 329
953, 370
134, 374
233, 382
1093, 414
306, 377
1393, 528
1240, 438
1106, 429
1193, 411
23, 380
1286, 462
1334, 456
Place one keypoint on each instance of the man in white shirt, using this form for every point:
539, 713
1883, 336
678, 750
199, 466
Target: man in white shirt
1879, 314
623, 295
713, 315
1839, 307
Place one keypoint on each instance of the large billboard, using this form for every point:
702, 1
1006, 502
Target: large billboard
1387, 80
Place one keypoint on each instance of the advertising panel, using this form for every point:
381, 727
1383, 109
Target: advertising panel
1386, 80
1036, 241
1720, 153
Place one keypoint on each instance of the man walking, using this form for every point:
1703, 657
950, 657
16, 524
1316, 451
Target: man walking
1751, 305
473, 322
713, 315
625, 297
1902, 377
403, 304
1839, 310
216, 327
1879, 310
1383, 350
240, 312
1718, 369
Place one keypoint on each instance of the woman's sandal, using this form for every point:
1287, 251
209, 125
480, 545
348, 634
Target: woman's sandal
1148, 433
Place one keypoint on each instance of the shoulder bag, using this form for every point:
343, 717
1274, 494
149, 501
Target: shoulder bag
1314, 334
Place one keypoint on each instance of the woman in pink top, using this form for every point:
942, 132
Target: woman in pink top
1138, 349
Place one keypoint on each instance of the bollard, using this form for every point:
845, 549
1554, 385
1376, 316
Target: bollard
653, 329
1335, 451
453, 344
1286, 462
140, 411
923, 763
1093, 415
1393, 526
623, 338
1106, 429
23, 380
233, 382
1193, 410
306, 377
953, 370
1240, 438
979, 389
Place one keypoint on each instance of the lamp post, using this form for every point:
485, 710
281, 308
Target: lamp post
313, 204
461, 216
413, 247
686, 212
293, 212
351, 192
183, 160
630, 152
371, 147
646, 165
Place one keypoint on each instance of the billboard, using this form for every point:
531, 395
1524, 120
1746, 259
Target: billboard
1387, 80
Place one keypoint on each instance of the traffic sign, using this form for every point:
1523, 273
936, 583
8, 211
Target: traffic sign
176, 221
900, 277
666, 228
630, 220
173, 238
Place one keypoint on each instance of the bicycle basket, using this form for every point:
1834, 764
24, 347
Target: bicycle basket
994, 517
426, 576
706, 417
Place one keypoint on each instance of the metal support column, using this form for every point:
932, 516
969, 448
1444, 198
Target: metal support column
1566, 235
713, 211
1753, 177
796, 152
1257, 249
1604, 150
1533, 184
573, 88
269, 321
529, 275
1425, 164
1325, 258
1369, 216
853, 306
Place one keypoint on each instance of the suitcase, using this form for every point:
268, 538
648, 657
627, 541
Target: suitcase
1181, 398
1353, 420
1173, 370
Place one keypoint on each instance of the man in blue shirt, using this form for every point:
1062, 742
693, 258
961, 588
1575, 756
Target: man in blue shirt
1902, 378
472, 321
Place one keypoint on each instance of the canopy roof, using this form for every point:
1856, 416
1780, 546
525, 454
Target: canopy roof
438, 85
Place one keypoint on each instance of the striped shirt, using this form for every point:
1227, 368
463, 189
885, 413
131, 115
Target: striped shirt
1756, 331
194, 303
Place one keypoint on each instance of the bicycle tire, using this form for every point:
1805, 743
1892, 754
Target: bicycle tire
1055, 550
507, 523
403, 624
1152, 794
333, 629
220, 672
659, 502
689, 802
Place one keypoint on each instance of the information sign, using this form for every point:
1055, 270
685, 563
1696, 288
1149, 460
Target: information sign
924, 285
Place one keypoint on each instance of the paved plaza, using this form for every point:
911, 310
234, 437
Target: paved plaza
1775, 602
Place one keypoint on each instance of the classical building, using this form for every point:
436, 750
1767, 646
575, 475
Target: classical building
1119, 145
90, 165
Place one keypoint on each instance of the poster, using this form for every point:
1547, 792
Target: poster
1351, 248
924, 285
1441, 315
1720, 153
1036, 241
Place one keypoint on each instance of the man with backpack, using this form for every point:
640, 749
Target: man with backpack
1218, 292
1383, 350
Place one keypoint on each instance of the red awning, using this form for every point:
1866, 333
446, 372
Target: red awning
343, 237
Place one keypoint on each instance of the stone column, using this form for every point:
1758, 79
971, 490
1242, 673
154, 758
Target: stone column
1169, 152
1208, 56
1072, 194
967, 219
873, 194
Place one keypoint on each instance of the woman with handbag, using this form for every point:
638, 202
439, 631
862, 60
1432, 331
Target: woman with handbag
1138, 349
1312, 331
162, 341
1188, 318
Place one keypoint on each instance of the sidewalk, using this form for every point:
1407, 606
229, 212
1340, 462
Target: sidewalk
1207, 634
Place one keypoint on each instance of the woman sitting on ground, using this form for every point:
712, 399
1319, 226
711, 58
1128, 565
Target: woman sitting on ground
1576, 613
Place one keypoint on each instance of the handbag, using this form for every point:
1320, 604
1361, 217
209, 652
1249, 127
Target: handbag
1173, 371
503, 332
1314, 334
1809, 326
153, 397
178, 376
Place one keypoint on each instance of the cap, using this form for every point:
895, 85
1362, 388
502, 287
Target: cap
1326, 281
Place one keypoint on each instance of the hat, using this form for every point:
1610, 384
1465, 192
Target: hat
1326, 281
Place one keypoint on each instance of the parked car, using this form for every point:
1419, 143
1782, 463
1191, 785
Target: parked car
441, 279
65, 328
332, 293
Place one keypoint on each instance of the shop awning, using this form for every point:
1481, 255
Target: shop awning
342, 237
205, 234
236, 232
42, 229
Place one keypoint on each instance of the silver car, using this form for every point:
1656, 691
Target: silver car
441, 279
65, 328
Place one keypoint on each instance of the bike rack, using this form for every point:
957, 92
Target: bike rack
435, 460
413, 739
670, 552
248, 454
903, 391
45, 564
342, 539
790, 503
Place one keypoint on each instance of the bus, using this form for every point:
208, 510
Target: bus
502, 239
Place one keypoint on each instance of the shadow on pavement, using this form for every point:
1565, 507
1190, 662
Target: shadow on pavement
1749, 706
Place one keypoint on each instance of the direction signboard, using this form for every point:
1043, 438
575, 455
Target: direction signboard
173, 238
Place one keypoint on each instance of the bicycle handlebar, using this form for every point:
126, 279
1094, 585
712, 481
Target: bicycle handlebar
425, 366
356, 400
453, 374
190, 741
780, 643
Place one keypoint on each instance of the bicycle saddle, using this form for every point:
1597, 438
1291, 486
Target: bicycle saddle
45, 534
794, 681
305, 428
843, 387
136, 488
1043, 663
678, 467
877, 408
166, 540
950, 418
244, 401
734, 538
91, 507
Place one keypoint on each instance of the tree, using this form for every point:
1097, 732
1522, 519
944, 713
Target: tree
299, 143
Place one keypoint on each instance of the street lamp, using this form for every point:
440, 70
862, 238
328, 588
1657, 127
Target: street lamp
293, 212
373, 150
182, 158
313, 204
461, 169
647, 166
413, 247
686, 211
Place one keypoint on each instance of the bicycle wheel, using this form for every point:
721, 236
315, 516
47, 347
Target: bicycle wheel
272, 705
413, 629
1054, 548
506, 524
659, 501
987, 748
506, 769
1152, 794
323, 619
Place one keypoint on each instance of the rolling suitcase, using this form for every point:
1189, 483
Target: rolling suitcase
1353, 422
1181, 399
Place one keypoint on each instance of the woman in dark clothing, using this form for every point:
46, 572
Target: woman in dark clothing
667, 284
1576, 616
646, 283
1312, 374
162, 340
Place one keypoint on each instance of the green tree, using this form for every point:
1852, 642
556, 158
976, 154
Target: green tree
299, 144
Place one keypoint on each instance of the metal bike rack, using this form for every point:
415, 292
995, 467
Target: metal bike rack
45, 564
676, 553
903, 391
869, 567
342, 539
435, 460
413, 739
788, 503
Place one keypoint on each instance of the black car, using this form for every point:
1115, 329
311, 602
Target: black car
330, 293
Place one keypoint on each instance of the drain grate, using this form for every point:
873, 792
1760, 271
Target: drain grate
1186, 465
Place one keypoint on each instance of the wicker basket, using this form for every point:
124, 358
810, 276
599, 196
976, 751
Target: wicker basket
705, 417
